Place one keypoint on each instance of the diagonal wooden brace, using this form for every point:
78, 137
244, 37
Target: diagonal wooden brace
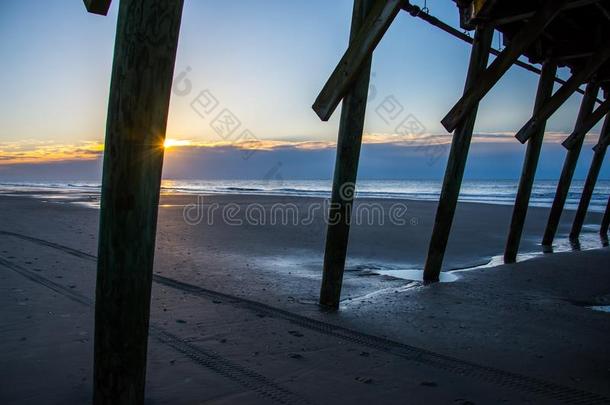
586, 126
561, 95
530, 32
376, 24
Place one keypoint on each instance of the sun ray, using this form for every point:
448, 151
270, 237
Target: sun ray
171, 143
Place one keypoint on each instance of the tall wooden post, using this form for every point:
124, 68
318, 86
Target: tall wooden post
587, 191
457, 160
563, 186
528, 173
603, 229
346, 168
456, 164
144, 56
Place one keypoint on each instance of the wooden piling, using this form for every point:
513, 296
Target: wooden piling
457, 160
144, 56
563, 186
603, 229
587, 191
528, 173
346, 168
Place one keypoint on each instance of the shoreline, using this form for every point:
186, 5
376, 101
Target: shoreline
530, 247
73, 197
496, 192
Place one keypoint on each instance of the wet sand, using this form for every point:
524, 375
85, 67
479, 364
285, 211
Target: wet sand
235, 296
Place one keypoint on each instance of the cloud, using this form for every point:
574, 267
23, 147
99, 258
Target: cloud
384, 156
33, 152
36, 152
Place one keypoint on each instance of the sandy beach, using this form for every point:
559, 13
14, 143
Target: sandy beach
234, 314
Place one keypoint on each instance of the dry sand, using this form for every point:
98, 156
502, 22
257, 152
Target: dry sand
235, 321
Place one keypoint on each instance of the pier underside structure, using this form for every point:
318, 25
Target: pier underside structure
552, 33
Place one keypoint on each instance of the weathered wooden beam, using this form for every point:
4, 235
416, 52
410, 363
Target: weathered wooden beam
528, 173
526, 16
562, 50
457, 161
100, 7
561, 95
603, 229
586, 126
477, 12
483, 9
360, 49
587, 191
144, 56
568, 56
604, 141
349, 142
502, 63
567, 172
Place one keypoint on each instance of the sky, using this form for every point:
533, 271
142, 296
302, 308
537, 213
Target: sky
264, 61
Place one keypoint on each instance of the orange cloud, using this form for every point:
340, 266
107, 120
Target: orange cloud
37, 151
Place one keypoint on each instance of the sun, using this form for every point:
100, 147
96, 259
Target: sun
170, 143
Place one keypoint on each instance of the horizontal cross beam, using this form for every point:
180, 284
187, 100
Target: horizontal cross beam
524, 16
376, 24
561, 95
586, 125
524, 38
100, 7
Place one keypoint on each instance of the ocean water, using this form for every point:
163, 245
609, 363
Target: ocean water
483, 191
